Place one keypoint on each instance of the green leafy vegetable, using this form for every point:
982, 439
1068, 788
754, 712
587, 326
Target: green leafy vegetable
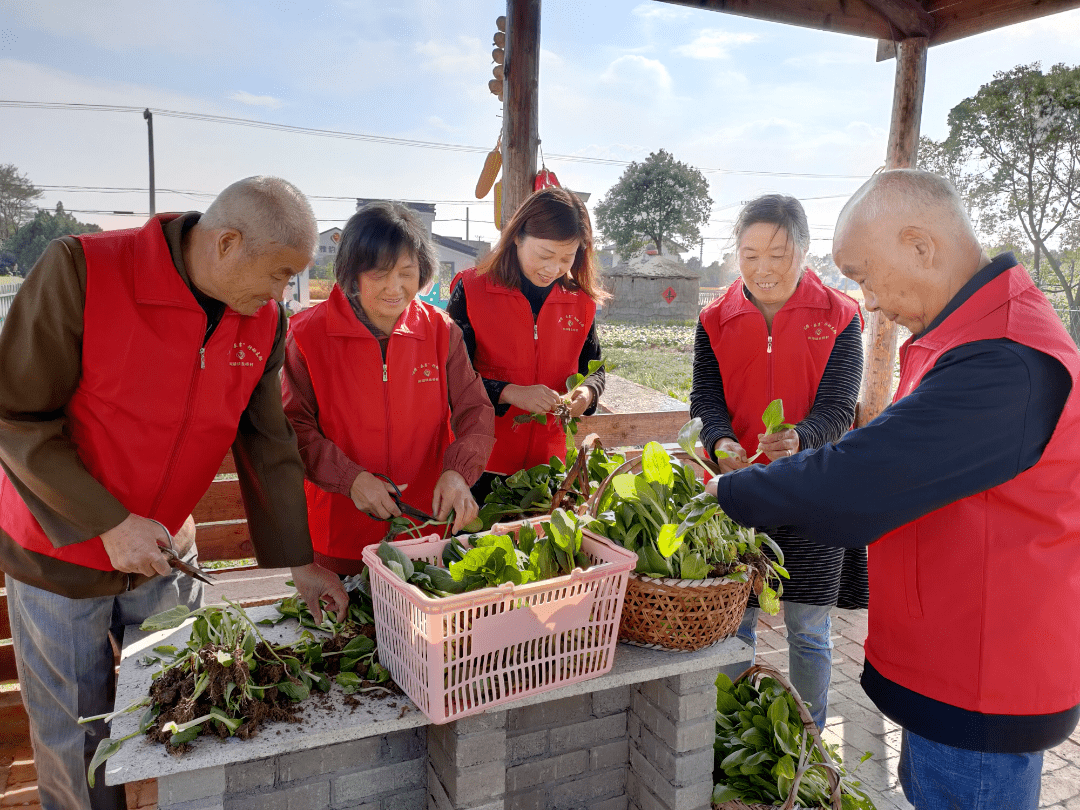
773, 418
761, 751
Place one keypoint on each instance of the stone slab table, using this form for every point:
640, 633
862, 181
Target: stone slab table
639, 737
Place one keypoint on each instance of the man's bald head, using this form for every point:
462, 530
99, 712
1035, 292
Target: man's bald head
906, 238
265, 210
915, 196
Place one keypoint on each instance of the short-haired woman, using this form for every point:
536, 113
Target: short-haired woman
779, 333
374, 382
527, 313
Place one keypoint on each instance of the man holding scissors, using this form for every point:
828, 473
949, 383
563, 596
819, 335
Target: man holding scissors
130, 363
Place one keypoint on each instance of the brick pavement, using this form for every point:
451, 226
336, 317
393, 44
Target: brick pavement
853, 723
857, 726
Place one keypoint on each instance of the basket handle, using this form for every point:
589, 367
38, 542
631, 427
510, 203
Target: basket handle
756, 673
631, 465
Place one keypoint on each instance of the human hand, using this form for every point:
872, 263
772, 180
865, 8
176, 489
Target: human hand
452, 492
531, 398
580, 400
373, 495
132, 546
779, 445
184, 539
314, 583
736, 456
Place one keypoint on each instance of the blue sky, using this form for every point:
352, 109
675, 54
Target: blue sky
618, 79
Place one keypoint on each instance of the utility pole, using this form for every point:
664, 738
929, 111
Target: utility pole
149, 116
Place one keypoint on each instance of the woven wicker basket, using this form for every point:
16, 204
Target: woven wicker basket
754, 674
676, 614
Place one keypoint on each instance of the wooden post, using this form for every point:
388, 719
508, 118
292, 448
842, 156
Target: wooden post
521, 83
903, 149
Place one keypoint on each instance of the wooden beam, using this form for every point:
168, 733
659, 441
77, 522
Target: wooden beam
908, 17
221, 502
957, 19
7, 664
521, 84
854, 17
632, 429
902, 153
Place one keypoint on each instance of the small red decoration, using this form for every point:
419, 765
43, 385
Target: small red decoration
669, 294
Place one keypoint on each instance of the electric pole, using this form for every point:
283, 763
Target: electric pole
149, 116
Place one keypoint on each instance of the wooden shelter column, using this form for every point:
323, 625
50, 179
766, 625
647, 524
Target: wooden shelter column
521, 75
903, 149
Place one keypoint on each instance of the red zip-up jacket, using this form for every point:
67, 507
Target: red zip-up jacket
757, 367
391, 418
963, 610
155, 410
510, 346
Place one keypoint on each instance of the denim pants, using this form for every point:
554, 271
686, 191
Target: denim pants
65, 665
809, 631
940, 777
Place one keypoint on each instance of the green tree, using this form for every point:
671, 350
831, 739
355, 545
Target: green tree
658, 200
1014, 152
31, 239
17, 195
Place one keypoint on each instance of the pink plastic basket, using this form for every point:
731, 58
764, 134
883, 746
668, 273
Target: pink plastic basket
463, 654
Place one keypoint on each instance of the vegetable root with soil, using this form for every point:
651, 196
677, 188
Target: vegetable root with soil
227, 680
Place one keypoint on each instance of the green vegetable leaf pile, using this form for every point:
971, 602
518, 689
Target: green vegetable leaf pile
532, 492
490, 560
762, 748
664, 515
228, 680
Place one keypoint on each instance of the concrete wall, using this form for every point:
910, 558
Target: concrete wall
641, 299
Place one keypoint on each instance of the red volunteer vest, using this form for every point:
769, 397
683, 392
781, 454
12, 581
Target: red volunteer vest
757, 368
155, 411
507, 349
975, 604
391, 419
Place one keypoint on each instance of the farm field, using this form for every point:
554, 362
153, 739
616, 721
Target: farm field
657, 356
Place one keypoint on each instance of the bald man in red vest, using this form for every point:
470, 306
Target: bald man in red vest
131, 362
965, 490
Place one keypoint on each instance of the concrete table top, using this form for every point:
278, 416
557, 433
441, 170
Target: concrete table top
327, 719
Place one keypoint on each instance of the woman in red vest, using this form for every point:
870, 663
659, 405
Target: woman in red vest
527, 313
379, 383
779, 333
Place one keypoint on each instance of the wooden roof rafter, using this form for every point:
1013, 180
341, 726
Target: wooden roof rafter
890, 21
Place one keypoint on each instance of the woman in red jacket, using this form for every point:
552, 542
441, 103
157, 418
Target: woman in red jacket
374, 382
527, 313
779, 333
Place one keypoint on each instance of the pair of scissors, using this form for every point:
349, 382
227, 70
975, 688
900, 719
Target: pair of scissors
405, 509
169, 553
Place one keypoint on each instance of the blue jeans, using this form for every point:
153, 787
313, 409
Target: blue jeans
940, 777
809, 636
65, 665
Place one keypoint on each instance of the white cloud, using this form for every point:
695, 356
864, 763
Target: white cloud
639, 71
253, 100
660, 11
715, 43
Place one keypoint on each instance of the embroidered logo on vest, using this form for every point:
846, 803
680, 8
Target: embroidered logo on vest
426, 372
820, 331
571, 323
244, 354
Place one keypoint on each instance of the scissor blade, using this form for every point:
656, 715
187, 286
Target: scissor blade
413, 512
185, 567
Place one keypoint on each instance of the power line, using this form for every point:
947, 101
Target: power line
360, 136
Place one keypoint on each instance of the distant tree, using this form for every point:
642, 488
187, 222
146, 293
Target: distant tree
31, 239
656, 201
17, 195
1013, 151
